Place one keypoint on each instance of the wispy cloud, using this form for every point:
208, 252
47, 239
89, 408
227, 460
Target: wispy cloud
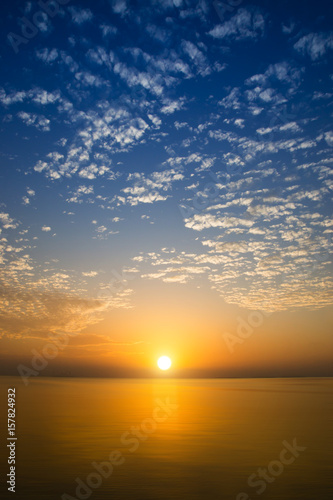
245, 24
315, 45
80, 16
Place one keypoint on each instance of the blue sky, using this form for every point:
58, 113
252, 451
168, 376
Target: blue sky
172, 143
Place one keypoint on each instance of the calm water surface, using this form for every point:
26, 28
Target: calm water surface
212, 437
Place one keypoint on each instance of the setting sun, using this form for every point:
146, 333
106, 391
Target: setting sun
164, 363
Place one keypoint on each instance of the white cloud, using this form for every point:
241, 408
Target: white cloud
108, 30
290, 127
156, 121
39, 121
203, 221
239, 122
243, 25
12, 98
198, 58
119, 6
171, 106
47, 55
231, 101
329, 138
79, 192
150, 189
283, 72
80, 16
89, 155
315, 44
7, 221
288, 28
92, 171
87, 79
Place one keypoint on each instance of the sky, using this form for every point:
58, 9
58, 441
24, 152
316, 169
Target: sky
166, 187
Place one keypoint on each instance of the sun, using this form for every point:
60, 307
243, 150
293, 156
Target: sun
164, 363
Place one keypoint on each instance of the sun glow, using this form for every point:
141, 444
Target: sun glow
164, 363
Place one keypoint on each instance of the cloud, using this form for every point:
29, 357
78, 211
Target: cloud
135, 78
90, 274
288, 28
39, 121
158, 33
92, 340
46, 55
87, 79
287, 127
101, 133
156, 121
119, 6
79, 193
203, 221
7, 221
315, 45
12, 98
168, 4
116, 299
329, 138
241, 271
239, 122
150, 189
37, 299
242, 26
231, 101
25, 199
46, 229
108, 30
80, 16
220, 135
283, 72
92, 171
171, 106
36, 314
114, 97
198, 58
230, 247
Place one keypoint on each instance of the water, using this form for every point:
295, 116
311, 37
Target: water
213, 436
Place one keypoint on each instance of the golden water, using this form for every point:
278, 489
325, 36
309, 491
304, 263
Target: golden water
215, 435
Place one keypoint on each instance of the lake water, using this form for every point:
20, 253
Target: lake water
195, 439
